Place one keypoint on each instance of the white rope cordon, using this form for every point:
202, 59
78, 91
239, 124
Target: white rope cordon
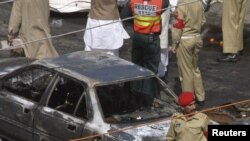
160, 121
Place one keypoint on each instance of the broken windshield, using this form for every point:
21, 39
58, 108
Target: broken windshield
137, 100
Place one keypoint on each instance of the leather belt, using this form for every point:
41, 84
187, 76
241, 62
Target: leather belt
190, 36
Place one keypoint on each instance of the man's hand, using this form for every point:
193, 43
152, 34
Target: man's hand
10, 40
173, 49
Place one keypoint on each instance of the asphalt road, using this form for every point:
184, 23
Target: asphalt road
224, 83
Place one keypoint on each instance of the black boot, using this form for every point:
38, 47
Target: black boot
231, 57
240, 52
164, 78
200, 103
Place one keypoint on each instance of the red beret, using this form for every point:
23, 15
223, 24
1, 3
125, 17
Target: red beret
185, 98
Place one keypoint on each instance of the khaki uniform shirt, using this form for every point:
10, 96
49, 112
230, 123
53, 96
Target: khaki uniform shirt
104, 10
193, 17
29, 19
188, 129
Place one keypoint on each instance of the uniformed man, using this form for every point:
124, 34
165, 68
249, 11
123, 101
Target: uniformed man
186, 43
189, 125
30, 21
233, 17
146, 42
147, 28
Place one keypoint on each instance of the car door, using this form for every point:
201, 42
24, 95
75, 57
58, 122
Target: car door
58, 119
19, 97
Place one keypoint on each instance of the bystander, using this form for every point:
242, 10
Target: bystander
29, 20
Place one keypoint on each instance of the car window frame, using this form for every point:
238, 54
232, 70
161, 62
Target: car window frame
119, 81
27, 68
161, 83
87, 97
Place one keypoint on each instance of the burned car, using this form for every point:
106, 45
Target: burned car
78, 95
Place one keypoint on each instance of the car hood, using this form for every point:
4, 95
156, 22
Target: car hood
150, 132
10, 64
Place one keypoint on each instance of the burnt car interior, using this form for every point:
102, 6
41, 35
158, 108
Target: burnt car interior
68, 96
121, 103
30, 84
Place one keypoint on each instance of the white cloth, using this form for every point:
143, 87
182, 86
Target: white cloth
165, 19
108, 37
205, 1
173, 3
162, 68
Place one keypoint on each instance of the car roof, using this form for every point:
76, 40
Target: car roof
95, 66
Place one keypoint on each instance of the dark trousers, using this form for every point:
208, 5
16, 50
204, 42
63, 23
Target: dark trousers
146, 53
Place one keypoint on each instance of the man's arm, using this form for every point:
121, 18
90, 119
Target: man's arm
15, 17
15, 21
205, 126
126, 11
122, 2
178, 26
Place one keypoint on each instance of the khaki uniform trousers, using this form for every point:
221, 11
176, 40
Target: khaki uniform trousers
187, 60
233, 16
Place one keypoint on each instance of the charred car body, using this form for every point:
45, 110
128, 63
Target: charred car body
77, 95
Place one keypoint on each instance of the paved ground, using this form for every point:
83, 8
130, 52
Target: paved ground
223, 82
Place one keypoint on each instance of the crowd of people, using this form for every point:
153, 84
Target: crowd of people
150, 47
